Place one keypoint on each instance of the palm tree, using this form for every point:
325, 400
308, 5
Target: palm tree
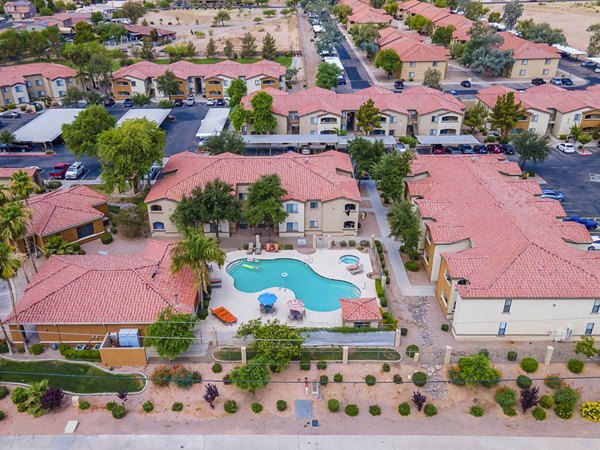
168, 84
195, 252
10, 263
22, 185
6, 195
14, 217
56, 245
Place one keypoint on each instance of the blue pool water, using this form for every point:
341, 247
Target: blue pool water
349, 259
317, 292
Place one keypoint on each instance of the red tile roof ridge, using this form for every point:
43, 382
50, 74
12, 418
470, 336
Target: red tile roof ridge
360, 309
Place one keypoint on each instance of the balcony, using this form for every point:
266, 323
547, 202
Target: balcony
329, 120
451, 119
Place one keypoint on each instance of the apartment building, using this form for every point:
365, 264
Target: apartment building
419, 110
207, 80
20, 10
26, 82
363, 13
531, 60
322, 195
497, 275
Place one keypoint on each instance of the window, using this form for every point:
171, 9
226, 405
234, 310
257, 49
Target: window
313, 132
62, 93
534, 118
41, 93
39, 82
447, 276
349, 224
545, 72
434, 119
122, 83
362, 324
291, 226
256, 82
158, 226
21, 99
393, 119
589, 329
58, 82
225, 82
313, 120
156, 208
577, 117
411, 74
435, 63
524, 62
412, 64
214, 82
533, 130
449, 119
85, 231
349, 207
133, 83
521, 73
426, 258
547, 61
314, 205
69, 80
444, 298
291, 207
293, 115
502, 329
596, 307
523, 118
242, 196
313, 224
507, 305
4, 89
18, 88
432, 132
28, 83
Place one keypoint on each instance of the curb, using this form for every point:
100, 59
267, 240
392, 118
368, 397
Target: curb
21, 154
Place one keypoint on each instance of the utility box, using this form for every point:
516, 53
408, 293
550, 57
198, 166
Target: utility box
129, 337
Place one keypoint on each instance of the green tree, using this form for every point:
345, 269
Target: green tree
327, 75
133, 10
14, 218
96, 17
21, 185
594, 43
475, 10
421, 24
224, 142
168, 84
236, 91
275, 342
171, 334
495, 17
147, 49
238, 117
389, 173
389, 61
46, 12
506, 113
248, 49
108, 31
56, 245
72, 97
84, 32
475, 117
211, 48
10, 263
221, 17
7, 137
262, 113
99, 69
81, 135
56, 45
269, 47
342, 12
251, 376
214, 204
140, 99
329, 38
228, 49
512, 13
364, 33
367, 117
473, 370
483, 53
128, 152
404, 225
531, 147
443, 35
586, 346
433, 79
391, 8
263, 205
365, 154
541, 33
37, 44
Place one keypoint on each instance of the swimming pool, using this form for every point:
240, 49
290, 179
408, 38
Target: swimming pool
317, 292
349, 259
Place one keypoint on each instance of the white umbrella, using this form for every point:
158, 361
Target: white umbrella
295, 304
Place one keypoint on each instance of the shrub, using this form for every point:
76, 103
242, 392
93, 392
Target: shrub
404, 409
397, 379
351, 410
352, 243
412, 266
2, 415
529, 365
182, 376
590, 411
538, 413
22, 407
111, 405
445, 327
506, 397
230, 407
575, 365
84, 405
118, 412
3, 346
216, 368
338, 378
379, 288
484, 352
288, 246
165, 104
305, 364
403, 331
161, 376
546, 402
281, 405
343, 243
227, 380
419, 379
365, 243
553, 381
370, 380
430, 410
411, 350
52, 398
177, 407
83, 355
37, 349
53, 184
148, 406
256, 407
509, 411
19, 395
3, 392
476, 411
333, 405
375, 410
323, 380
106, 238
566, 395
564, 411
562, 137
321, 365
511, 356
524, 381
385, 367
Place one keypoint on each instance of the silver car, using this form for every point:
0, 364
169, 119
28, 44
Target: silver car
74, 171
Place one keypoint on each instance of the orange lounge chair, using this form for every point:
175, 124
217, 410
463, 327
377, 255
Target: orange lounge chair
267, 247
224, 315
275, 247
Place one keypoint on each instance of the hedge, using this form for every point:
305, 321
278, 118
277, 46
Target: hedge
83, 355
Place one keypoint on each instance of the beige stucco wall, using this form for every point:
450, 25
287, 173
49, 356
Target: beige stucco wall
534, 68
334, 218
164, 216
297, 217
438, 249
564, 121
425, 124
416, 71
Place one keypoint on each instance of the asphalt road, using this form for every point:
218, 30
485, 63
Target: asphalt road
355, 72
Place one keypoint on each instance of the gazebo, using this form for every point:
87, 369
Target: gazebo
360, 312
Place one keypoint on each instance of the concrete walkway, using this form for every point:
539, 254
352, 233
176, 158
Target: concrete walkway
393, 247
291, 442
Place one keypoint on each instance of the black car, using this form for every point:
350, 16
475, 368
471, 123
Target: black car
509, 149
14, 148
220, 102
538, 81
340, 81
465, 83
109, 101
128, 103
567, 81
451, 149
588, 64
480, 149
178, 102
398, 85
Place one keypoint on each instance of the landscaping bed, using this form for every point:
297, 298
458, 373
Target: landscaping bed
324, 354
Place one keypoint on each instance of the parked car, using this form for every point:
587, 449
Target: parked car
438, 149
453, 150
400, 147
190, 101
15, 147
210, 102
509, 149
590, 224
595, 244
465, 83
452, 92
494, 148
554, 195
74, 171
305, 150
556, 80
481, 149
588, 64
109, 101
466, 149
566, 81
341, 80
538, 81
128, 103
566, 147
10, 115
59, 170
178, 102
220, 102
398, 85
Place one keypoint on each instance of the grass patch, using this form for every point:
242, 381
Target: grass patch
321, 354
72, 377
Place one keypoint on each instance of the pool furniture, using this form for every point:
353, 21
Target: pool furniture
295, 316
224, 315
276, 247
258, 248
250, 248
267, 309
215, 282
356, 270
353, 267
267, 247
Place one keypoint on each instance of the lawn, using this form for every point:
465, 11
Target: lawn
73, 377
324, 354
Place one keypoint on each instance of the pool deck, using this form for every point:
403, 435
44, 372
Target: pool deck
324, 262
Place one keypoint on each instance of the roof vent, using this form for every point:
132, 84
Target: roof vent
305, 160
155, 270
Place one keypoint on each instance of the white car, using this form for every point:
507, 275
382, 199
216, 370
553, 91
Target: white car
400, 147
595, 244
210, 102
566, 147
190, 101
74, 171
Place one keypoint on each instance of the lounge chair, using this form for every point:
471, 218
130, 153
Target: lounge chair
250, 248
352, 267
267, 247
224, 315
275, 247
358, 270
258, 248
215, 282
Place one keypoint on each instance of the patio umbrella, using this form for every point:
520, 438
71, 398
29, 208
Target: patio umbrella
295, 304
267, 299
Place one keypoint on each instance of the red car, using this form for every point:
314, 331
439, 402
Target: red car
60, 170
438, 149
495, 148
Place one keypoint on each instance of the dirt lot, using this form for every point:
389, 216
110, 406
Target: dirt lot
452, 402
284, 30
572, 18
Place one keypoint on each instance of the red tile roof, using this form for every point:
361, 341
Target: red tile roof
523, 49
357, 309
369, 15
7, 172
64, 208
518, 246
411, 50
107, 289
147, 31
303, 177
389, 35
11, 75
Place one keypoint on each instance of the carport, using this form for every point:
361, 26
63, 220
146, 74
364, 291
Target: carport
156, 115
47, 127
570, 51
461, 139
297, 141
